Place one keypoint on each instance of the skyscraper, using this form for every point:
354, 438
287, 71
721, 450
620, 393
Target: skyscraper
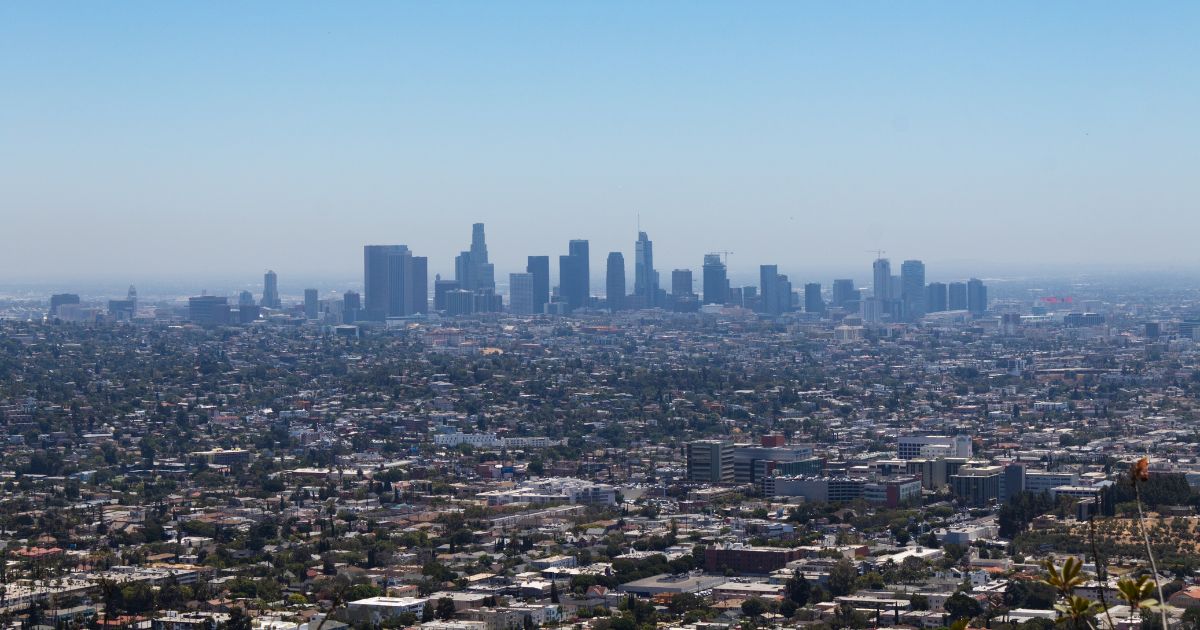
311, 305
681, 283
813, 302
844, 292
471, 268
615, 281
396, 283
645, 278
957, 292
539, 267
520, 293
977, 299
768, 281
574, 275
716, 282
270, 296
882, 287
62, 299
935, 297
912, 289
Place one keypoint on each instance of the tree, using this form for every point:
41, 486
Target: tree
683, 602
797, 588
753, 607
842, 576
445, 608
427, 612
554, 592
962, 606
919, 602
238, 620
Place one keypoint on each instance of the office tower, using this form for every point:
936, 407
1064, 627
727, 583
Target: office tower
912, 289
310, 304
783, 288
882, 287
471, 268
520, 293
408, 292
245, 298
935, 297
645, 278
768, 278
396, 282
460, 302
62, 299
539, 267
710, 461
844, 292
716, 282
487, 301
270, 295
813, 303
376, 278
208, 310
440, 289
574, 283
681, 283
957, 296
977, 300
615, 281
351, 305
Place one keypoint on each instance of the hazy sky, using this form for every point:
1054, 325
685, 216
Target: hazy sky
142, 140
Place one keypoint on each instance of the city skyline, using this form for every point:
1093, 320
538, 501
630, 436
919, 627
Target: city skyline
804, 133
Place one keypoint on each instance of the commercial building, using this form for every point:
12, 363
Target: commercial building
747, 560
710, 461
716, 282
977, 485
539, 268
614, 293
521, 293
928, 446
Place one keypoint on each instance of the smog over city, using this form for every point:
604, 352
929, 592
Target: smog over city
599, 315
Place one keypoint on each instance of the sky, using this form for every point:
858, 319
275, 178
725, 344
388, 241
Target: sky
149, 140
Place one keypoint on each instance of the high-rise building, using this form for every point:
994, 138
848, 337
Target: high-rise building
813, 302
882, 287
460, 302
844, 292
208, 310
396, 283
681, 283
771, 302
245, 298
270, 296
539, 267
935, 297
311, 306
977, 298
645, 278
710, 461
574, 275
62, 299
615, 281
716, 282
912, 289
520, 293
440, 289
351, 305
957, 296
471, 268
783, 288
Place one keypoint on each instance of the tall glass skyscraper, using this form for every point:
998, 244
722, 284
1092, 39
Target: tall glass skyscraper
539, 268
645, 278
716, 281
615, 281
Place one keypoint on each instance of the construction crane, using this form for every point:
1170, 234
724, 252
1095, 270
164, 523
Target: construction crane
727, 255
878, 253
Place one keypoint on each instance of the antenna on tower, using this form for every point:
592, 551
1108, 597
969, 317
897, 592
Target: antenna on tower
878, 253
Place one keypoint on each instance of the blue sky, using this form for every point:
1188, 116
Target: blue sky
190, 139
